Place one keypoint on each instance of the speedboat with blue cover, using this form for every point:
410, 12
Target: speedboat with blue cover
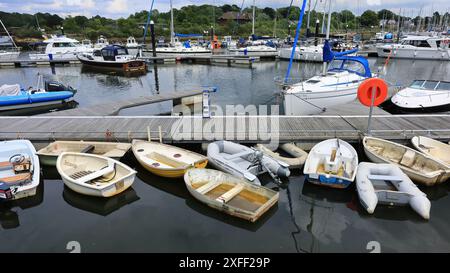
339, 85
13, 97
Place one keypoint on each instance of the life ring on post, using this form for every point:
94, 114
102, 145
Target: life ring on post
365, 91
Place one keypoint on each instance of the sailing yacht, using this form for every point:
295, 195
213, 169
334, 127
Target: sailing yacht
8, 48
176, 48
311, 53
339, 85
254, 49
418, 47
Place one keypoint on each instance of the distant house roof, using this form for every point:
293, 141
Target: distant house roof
232, 15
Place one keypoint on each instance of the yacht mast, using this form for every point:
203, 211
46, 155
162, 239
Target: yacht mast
254, 13
309, 18
1, 22
172, 30
324, 71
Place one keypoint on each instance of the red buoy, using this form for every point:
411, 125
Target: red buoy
366, 88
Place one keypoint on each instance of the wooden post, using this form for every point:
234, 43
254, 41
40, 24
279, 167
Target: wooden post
148, 134
160, 134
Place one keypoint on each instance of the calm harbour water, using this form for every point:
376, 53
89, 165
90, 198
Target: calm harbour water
159, 215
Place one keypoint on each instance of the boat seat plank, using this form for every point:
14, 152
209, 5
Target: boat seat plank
86, 176
15, 179
5, 165
88, 149
158, 157
385, 177
226, 197
208, 187
408, 158
238, 155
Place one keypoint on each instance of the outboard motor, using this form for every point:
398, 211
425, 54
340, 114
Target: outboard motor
53, 86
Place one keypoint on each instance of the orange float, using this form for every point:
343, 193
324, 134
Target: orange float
366, 88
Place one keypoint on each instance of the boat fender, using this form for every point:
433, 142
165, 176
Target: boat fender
283, 172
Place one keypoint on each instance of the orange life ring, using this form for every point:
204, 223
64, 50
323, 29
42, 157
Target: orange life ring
365, 91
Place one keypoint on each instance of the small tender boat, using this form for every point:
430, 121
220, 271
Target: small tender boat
418, 166
433, 148
19, 170
422, 96
387, 184
94, 175
12, 97
331, 163
230, 194
295, 162
49, 154
113, 57
166, 160
245, 162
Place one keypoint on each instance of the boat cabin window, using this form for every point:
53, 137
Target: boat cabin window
443, 86
417, 43
312, 81
122, 51
97, 53
348, 65
417, 84
64, 45
430, 85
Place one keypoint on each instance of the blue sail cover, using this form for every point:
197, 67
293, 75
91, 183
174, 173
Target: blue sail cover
329, 55
188, 35
347, 65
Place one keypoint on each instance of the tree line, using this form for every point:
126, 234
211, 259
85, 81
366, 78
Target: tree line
198, 19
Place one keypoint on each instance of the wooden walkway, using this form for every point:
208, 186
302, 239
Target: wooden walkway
249, 129
113, 108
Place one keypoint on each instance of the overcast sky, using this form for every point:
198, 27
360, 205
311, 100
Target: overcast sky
122, 8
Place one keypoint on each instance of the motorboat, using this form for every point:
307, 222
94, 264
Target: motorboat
13, 97
255, 51
332, 163
418, 47
19, 170
386, 184
419, 167
230, 194
422, 96
94, 175
433, 148
60, 48
339, 85
101, 42
182, 49
49, 154
113, 57
131, 43
245, 162
166, 160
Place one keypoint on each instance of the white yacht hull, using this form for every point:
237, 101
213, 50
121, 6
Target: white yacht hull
416, 53
9, 56
309, 56
310, 103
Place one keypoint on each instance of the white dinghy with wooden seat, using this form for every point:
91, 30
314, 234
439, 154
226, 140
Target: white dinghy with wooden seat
94, 175
387, 184
19, 170
418, 166
331, 163
230, 194
166, 160
433, 148
114, 150
295, 162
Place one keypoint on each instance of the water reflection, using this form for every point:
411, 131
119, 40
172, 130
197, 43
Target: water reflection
9, 217
98, 205
176, 187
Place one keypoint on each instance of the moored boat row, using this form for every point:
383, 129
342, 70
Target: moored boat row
89, 168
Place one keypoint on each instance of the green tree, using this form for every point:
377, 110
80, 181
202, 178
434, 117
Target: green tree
369, 18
